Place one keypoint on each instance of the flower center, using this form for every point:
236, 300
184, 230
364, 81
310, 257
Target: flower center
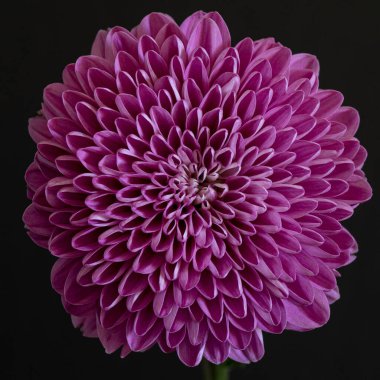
197, 185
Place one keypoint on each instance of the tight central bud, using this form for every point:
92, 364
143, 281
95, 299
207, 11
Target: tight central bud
196, 184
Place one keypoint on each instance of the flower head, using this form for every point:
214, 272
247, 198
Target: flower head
192, 191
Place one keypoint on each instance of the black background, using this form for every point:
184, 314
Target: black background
38, 38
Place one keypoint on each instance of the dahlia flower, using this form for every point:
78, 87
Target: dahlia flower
192, 191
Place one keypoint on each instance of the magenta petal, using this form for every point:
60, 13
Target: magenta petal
174, 339
230, 285
132, 283
189, 354
212, 308
38, 129
279, 59
304, 61
206, 285
53, 103
206, 34
302, 318
239, 339
111, 342
190, 22
255, 350
144, 321
330, 101
349, 117
163, 303
152, 23
215, 351
220, 330
98, 46
142, 343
